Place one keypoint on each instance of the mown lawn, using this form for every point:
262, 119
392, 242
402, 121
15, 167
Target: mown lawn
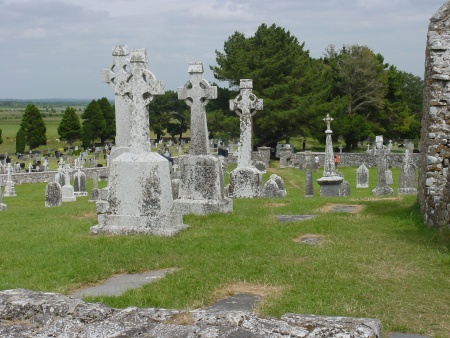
381, 262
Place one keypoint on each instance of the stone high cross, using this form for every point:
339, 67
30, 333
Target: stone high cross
328, 121
139, 91
246, 104
197, 92
115, 77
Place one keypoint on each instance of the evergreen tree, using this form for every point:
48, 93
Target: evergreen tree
284, 76
93, 116
33, 126
109, 133
21, 141
1, 139
69, 128
87, 136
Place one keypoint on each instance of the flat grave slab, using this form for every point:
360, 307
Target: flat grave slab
237, 302
293, 218
352, 208
117, 285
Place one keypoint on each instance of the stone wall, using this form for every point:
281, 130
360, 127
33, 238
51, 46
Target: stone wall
48, 176
395, 160
435, 134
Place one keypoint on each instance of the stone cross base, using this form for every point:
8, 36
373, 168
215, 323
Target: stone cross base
203, 207
68, 194
330, 185
201, 188
139, 198
382, 190
245, 182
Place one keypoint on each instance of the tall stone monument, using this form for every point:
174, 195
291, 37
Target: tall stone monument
245, 180
201, 189
139, 199
381, 152
309, 187
117, 77
408, 181
330, 182
10, 191
434, 162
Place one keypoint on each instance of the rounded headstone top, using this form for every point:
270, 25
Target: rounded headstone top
120, 50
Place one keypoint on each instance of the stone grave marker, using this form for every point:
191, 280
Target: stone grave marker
309, 186
201, 189
53, 194
382, 189
362, 177
95, 193
274, 187
9, 187
139, 195
67, 190
408, 181
2, 205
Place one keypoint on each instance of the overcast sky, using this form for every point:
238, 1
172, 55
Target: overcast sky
57, 48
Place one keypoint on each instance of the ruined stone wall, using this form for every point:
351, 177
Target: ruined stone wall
48, 176
435, 134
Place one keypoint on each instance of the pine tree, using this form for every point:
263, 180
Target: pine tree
69, 128
93, 116
21, 141
33, 126
109, 133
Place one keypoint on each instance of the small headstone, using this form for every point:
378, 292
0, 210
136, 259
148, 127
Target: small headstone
309, 186
408, 181
362, 177
95, 193
79, 183
345, 189
389, 179
274, 187
53, 195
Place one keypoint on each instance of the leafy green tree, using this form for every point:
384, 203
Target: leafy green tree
21, 141
93, 116
109, 132
69, 128
284, 76
33, 126
168, 114
359, 88
1, 139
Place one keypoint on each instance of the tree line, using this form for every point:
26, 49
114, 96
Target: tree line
365, 95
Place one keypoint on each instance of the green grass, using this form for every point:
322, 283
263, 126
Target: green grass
381, 263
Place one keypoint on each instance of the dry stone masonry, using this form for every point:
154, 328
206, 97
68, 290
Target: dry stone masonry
433, 194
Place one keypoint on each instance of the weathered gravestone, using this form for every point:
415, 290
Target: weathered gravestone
201, 189
2, 205
59, 177
330, 182
245, 180
68, 194
309, 186
434, 163
79, 182
362, 177
139, 198
381, 151
408, 181
53, 195
9, 187
274, 187
95, 191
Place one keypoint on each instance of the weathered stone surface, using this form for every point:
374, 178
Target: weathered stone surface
2, 205
25, 313
434, 146
79, 183
246, 104
408, 181
274, 187
362, 177
344, 188
53, 195
245, 182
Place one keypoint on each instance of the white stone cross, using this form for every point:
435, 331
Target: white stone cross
66, 170
139, 92
197, 92
116, 76
246, 104
328, 121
